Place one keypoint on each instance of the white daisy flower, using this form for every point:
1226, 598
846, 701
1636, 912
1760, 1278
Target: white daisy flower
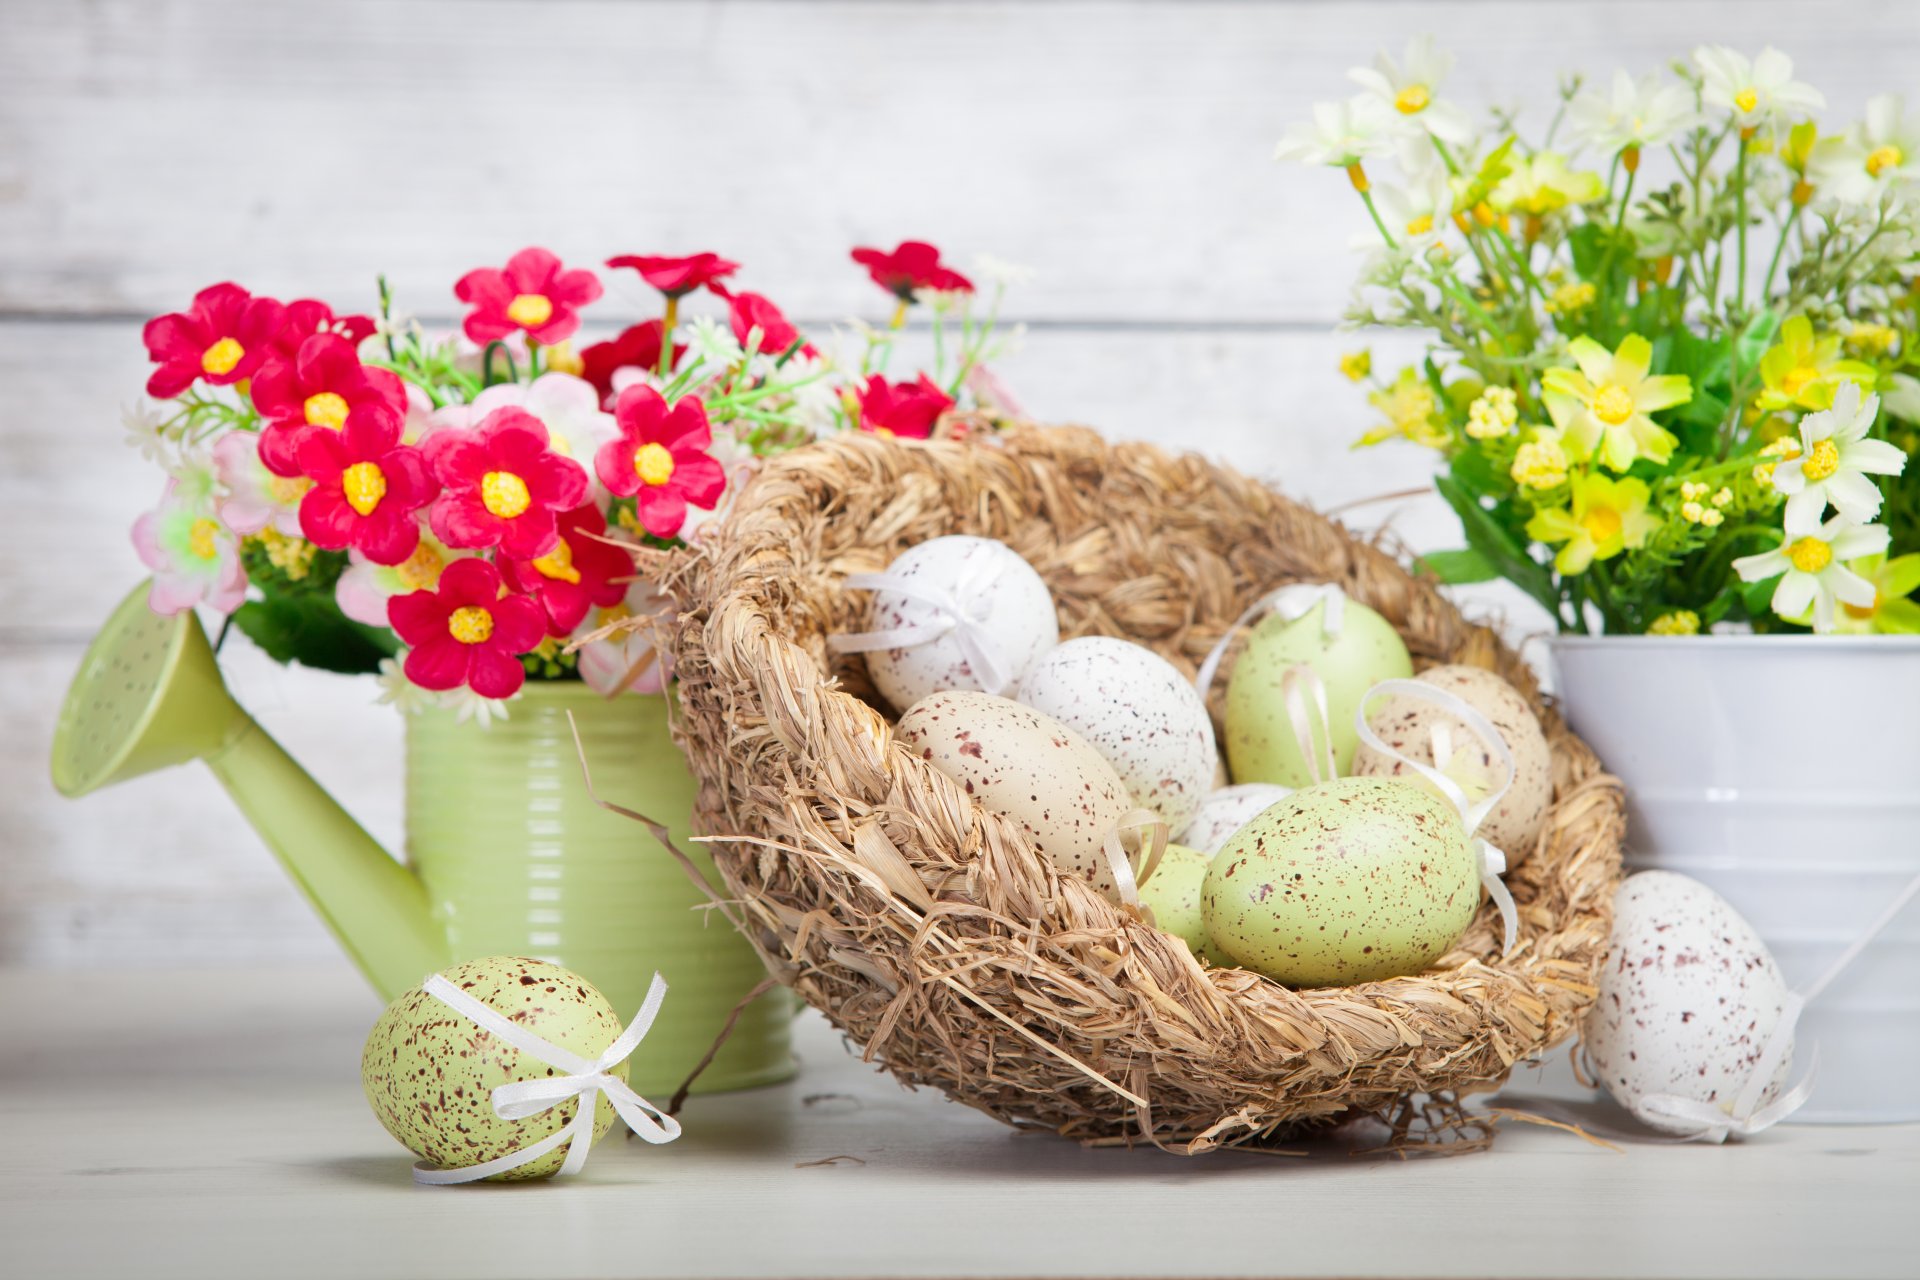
1754, 92
467, 705
398, 692
1341, 133
1880, 153
1630, 114
1813, 569
1417, 214
144, 432
1834, 462
713, 343
1410, 89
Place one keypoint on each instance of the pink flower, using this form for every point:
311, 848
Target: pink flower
532, 294
256, 497
195, 559
364, 589
908, 409
637, 347
677, 277
307, 316
366, 487
467, 632
749, 311
582, 570
504, 486
913, 266
222, 338
316, 390
661, 459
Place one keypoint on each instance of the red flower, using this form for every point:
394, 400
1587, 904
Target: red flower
532, 293
223, 339
914, 265
318, 387
677, 277
638, 347
583, 571
661, 459
366, 487
308, 316
745, 311
504, 485
902, 408
466, 632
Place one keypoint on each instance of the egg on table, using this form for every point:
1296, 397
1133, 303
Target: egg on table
1407, 725
1343, 882
1004, 600
429, 1073
1261, 743
1688, 999
1226, 810
1028, 768
1138, 711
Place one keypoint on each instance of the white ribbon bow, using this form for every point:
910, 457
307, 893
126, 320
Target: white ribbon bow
583, 1080
1489, 862
1292, 602
961, 613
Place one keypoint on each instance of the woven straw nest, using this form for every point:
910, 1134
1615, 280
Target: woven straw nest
928, 932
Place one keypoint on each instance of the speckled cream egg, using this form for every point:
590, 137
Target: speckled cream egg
998, 590
1688, 999
1407, 725
1226, 810
430, 1073
1261, 743
1344, 882
1138, 711
1028, 768
1173, 892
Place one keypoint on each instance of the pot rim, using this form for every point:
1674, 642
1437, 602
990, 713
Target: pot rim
1813, 643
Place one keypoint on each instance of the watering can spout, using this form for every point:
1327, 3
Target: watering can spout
149, 695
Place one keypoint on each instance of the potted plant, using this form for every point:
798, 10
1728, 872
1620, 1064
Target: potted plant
1670, 380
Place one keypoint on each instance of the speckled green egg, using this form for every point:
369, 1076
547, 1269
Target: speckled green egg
1173, 893
1349, 881
430, 1073
1261, 743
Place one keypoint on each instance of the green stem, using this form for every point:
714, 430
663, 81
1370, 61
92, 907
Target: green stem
1373, 211
1740, 194
1779, 250
667, 325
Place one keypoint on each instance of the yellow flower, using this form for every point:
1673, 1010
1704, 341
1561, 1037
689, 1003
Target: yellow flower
1356, 365
1803, 370
1540, 463
291, 556
1679, 622
1602, 406
1607, 517
1569, 298
1493, 413
1871, 340
1408, 404
1542, 184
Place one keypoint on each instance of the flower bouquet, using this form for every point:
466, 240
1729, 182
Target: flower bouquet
1672, 357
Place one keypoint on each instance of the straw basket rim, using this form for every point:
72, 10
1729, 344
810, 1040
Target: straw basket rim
923, 927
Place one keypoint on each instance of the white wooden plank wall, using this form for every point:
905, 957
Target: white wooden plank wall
1186, 287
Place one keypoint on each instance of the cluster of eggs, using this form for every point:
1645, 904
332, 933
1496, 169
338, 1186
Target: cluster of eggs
1311, 883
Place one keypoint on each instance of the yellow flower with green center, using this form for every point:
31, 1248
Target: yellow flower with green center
1601, 407
1356, 365
1542, 183
1409, 405
1605, 518
1569, 299
1804, 369
1493, 413
1540, 463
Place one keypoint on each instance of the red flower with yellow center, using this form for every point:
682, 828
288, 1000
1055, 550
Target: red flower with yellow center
467, 631
318, 388
677, 277
749, 311
366, 487
902, 408
660, 459
583, 571
222, 338
913, 266
505, 486
307, 316
532, 293
637, 347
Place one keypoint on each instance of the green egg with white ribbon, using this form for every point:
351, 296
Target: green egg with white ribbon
1172, 892
504, 1069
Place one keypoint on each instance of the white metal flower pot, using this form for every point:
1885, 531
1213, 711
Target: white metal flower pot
1783, 771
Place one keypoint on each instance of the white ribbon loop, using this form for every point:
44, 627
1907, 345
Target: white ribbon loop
583, 1080
1292, 602
1126, 878
1489, 862
961, 613
1304, 694
1746, 1116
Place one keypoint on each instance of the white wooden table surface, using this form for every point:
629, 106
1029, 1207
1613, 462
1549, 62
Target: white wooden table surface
210, 1124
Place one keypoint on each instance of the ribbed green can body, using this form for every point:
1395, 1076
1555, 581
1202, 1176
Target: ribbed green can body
517, 859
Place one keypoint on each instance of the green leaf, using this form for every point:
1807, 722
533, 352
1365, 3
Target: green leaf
1457, 568
1485, 535
308, 628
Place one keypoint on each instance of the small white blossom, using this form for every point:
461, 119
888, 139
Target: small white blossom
1879, 154
467, 705
144, 432
1630, 114
1410, 89
1834, 461
713, 343
1341, 133
1755, 92
1813, 571
400, 693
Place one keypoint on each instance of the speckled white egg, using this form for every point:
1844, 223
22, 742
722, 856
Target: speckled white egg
1226, 810
1407, 725
997, 589
1028, 768
1688, 998
1138, 711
